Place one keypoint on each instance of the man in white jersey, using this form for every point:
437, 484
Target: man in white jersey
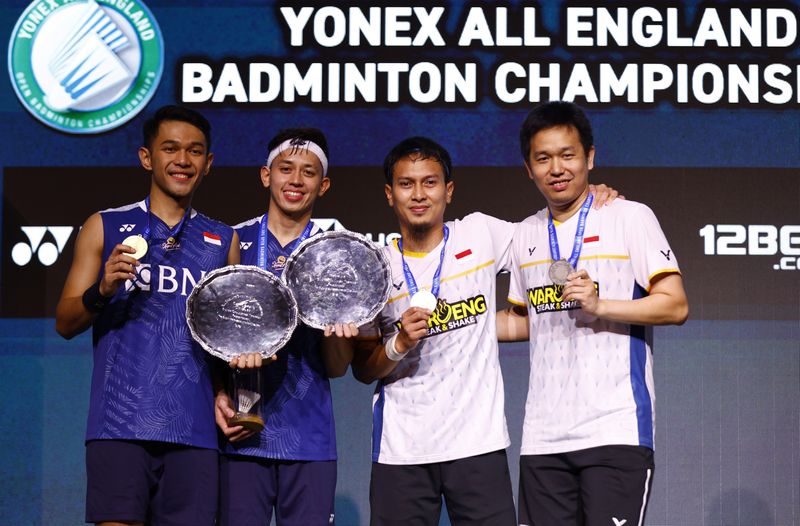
438, 420
589, 284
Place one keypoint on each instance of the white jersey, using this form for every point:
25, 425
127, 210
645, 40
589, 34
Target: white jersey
444, 400
591, 380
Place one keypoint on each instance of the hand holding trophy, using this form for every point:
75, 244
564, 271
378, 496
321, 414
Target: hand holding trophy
236, 311
338, 278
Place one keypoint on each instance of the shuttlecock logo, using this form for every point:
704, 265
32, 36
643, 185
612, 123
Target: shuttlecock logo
85, 66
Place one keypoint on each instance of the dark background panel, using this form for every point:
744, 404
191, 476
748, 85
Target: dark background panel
685, 200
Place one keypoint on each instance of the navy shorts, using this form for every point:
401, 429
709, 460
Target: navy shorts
599, 486
154, 482
301, 492
477, 491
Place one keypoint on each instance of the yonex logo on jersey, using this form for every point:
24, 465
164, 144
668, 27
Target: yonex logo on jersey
47, 252
531, 251
245, 245
82, 67
666, 254
126, 227
548, 299
619, 522
450, 316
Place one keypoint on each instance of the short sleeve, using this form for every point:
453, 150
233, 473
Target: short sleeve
648, 248
516, 287
500, 233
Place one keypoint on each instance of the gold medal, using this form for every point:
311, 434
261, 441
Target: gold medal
138, 243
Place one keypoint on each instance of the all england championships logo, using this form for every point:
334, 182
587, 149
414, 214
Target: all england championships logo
85, 66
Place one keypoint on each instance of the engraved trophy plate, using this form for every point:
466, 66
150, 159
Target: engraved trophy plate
241, 309
338, 277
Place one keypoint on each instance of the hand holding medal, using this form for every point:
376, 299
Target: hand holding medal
119, 267
139, 245
414, 327
414, 322
580, 287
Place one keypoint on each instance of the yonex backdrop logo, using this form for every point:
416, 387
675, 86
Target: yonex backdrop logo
334, 225
82, 67
46, 252
329, 225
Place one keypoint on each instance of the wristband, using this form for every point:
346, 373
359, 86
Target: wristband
391, 352
93, 300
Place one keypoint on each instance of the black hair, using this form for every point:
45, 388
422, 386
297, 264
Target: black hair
422, 147
301, 135
175, 113
550, 115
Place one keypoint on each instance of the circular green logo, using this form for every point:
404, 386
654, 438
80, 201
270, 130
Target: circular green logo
85, 66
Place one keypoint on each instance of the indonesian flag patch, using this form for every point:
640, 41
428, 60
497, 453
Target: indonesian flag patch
214, 239
463, 254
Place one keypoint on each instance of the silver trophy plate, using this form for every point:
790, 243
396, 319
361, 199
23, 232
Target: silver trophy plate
338, 277
241, 309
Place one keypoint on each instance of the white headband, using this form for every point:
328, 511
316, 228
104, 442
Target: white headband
290, 144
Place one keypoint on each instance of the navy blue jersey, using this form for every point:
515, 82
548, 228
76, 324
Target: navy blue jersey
296, 394
151, 380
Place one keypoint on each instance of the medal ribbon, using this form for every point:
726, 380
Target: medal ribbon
263, 240
410, 281
555, 254
173, 232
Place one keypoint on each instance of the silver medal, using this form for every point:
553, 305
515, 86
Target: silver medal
424, 299
559, 271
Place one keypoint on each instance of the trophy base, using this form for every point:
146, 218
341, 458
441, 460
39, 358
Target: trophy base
250, 422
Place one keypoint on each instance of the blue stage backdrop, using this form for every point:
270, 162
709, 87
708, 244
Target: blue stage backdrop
695, 109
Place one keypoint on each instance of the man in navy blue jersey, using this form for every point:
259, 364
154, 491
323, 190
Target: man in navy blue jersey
290, 466
151, 444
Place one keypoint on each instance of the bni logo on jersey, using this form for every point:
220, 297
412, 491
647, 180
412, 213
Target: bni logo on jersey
85, 66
